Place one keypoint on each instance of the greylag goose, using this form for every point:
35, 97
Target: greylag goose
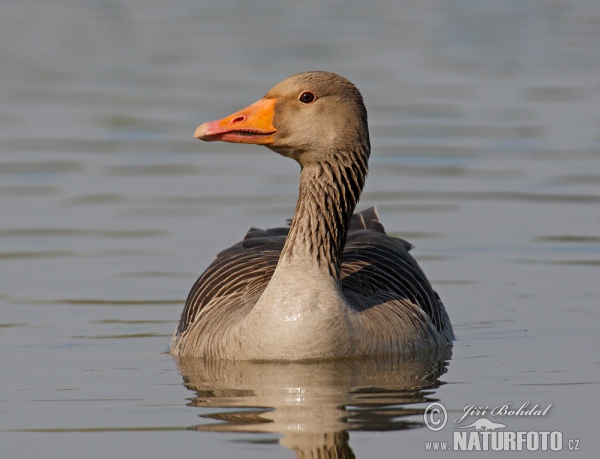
333, 284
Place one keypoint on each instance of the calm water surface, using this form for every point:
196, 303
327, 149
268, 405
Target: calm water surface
485, 124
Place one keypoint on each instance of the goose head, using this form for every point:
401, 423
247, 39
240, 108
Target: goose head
308, 117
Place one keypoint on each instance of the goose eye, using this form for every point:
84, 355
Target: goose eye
307, 97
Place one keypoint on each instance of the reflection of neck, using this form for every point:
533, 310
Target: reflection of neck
332, 445
328, 195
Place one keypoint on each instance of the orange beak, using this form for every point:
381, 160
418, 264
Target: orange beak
253, 124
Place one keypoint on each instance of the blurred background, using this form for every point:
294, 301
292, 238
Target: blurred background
485, 128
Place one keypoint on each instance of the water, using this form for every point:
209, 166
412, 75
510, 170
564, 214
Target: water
486, 155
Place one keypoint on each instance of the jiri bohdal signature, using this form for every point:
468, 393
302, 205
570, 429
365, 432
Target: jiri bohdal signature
503, 410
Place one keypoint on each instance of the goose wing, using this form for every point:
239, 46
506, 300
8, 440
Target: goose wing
380, 267
237, 274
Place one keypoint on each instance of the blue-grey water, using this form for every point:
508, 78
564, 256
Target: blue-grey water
485, 125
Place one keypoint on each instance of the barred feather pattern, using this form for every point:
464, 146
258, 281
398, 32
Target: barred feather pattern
330, 192
379, 277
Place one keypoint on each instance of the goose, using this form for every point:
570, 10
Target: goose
331, 285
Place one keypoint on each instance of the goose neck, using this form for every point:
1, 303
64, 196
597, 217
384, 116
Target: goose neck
328, 194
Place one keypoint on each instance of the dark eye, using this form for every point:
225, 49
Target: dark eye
307, 97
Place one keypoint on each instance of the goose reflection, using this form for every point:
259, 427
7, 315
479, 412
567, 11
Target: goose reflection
314, 405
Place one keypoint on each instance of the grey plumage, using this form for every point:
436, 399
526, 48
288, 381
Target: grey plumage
331, 285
